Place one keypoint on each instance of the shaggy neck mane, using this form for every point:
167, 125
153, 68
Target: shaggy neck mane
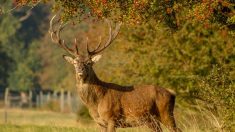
90, 88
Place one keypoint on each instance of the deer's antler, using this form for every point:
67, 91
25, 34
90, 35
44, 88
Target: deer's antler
55, 37
112, 36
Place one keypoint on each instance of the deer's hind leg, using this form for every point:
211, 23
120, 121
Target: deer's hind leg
153, 123
167, 114
154, 126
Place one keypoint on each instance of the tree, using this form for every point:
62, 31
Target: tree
184, 45
130, 11
138, 11
6, 52
25, 77
18, 50
5, 68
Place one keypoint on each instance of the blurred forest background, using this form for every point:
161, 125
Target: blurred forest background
187, 46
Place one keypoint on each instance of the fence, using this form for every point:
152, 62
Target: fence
64, 101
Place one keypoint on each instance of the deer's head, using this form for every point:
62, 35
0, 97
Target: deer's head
82, 64
83, 67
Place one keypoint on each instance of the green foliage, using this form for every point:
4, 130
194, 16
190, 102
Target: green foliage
10, 25
8, 29
129, 11
187, 46
24, 77
217, 89
5, 68
21, 63
141, 11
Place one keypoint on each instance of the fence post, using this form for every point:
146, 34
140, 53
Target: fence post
37, 101
41, 98
69, 100
62, 100
48, 97
6, 101
54, 96
30, 98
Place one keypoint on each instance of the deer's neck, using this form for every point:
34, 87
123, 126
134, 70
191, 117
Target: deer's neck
89, 89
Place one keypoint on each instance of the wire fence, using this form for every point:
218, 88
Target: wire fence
59, 101
63, 101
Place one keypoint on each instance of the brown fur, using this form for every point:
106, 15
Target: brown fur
114, 106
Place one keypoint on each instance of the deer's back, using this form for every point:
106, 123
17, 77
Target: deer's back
143, 99
136, 102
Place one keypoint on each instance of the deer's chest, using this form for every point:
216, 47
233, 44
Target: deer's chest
87, 95
109, 107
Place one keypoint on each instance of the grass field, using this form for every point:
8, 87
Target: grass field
24, 120
20, 120
47, 128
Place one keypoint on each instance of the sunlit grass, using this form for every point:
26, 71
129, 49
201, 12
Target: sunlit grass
20, 120
35, 117
35, 128
23, 120
48, 128
197, 120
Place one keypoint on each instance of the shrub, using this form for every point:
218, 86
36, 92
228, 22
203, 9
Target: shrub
217, 92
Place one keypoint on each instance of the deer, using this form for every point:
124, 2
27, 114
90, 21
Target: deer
111, 105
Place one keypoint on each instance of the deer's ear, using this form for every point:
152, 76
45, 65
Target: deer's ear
96, 58
68, 59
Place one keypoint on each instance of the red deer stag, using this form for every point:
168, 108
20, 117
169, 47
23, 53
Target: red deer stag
111, 105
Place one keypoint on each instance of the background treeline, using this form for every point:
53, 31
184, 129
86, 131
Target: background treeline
187, 46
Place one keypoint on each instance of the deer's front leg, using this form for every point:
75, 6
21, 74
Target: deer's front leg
96, 117
111, 126
103, 128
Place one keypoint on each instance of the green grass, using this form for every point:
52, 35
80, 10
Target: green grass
35, 128
39, 118
24, 120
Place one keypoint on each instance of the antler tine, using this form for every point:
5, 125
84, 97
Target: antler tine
76, 45
55, 36
97, 47
99, 44
87, 46
112, 36
51, 30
